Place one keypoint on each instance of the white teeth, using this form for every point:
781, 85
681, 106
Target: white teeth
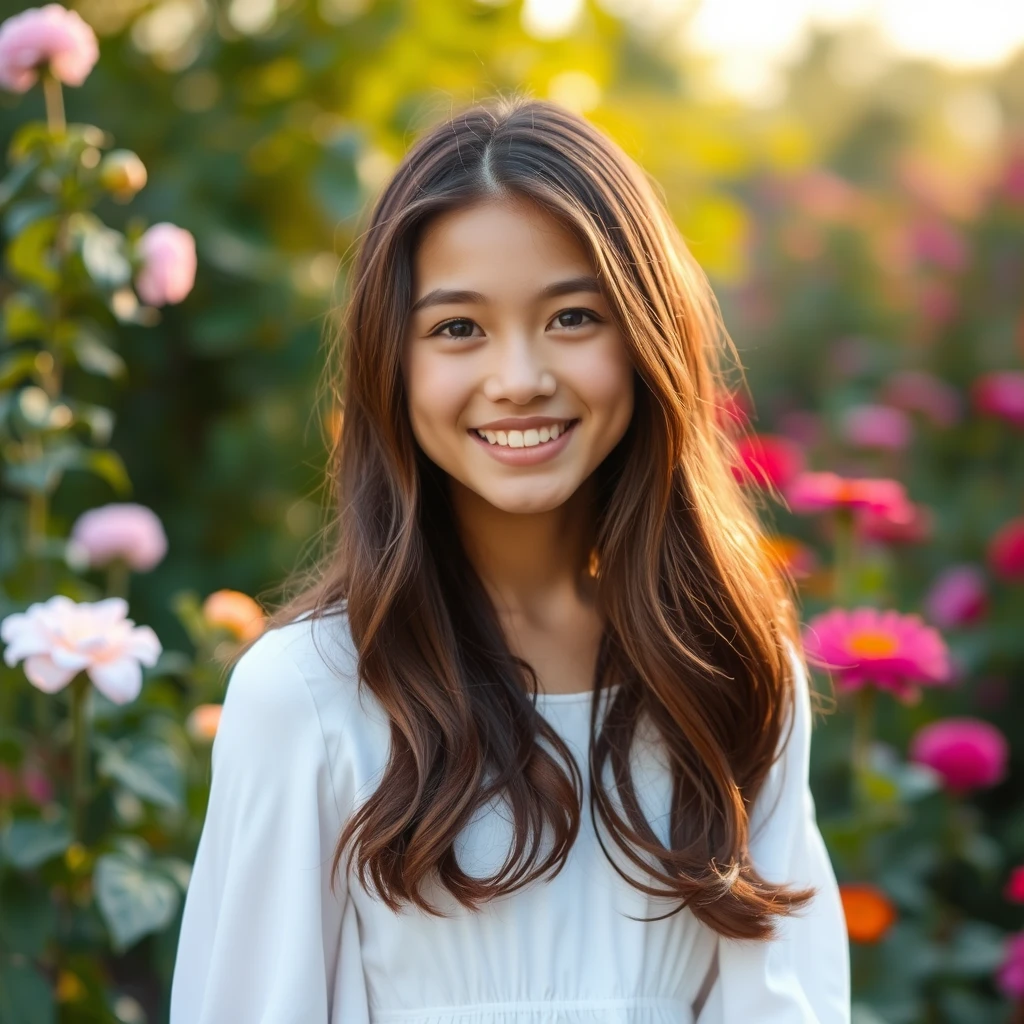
523, 438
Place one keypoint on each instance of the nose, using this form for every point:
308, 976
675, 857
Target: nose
519, 373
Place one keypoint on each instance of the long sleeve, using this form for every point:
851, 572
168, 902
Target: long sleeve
803, 975
261, 933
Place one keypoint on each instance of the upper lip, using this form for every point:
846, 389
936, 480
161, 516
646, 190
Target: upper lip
525, 423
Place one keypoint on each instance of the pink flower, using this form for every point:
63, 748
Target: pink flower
1014, 889
60, 638
1000, 395
866, 646
49, 35
1006, 550
877, 426
168, 257
1010, 974
1013, 176
122, 530
919, 391
896, 526
37, 787
767, 460
933, 241
967, 752
958, 597
818, 492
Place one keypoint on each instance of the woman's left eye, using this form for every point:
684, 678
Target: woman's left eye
572, 323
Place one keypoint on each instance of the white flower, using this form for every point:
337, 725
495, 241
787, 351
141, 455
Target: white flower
59, 638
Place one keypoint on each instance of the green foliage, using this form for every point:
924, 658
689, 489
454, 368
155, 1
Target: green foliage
268, 146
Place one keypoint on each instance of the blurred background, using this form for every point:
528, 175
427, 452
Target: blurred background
851, 177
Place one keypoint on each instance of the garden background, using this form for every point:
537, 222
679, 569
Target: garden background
863, 230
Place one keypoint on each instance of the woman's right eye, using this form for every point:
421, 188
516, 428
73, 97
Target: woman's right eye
459, 323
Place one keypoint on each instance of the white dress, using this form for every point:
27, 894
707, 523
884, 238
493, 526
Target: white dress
263, 940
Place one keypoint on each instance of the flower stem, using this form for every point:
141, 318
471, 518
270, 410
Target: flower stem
118, 578
845, 554
79, 753
863, 728
54, 104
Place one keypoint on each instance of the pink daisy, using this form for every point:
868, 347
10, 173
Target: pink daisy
885, 649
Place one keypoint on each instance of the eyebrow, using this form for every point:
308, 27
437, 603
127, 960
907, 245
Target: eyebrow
448, 296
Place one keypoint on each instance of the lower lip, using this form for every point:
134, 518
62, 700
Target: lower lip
526, 456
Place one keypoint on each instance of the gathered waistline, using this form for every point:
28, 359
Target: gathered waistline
457, 1011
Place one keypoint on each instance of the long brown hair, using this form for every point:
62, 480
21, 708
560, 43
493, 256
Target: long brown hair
698, 617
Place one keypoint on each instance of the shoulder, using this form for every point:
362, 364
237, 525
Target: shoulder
296, 682
294, 703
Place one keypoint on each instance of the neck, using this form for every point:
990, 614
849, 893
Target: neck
529, 562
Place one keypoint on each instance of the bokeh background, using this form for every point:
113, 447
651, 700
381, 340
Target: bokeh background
850, 176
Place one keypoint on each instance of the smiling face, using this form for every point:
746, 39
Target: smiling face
509, 333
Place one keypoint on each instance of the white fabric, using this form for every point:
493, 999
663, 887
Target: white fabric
263, 940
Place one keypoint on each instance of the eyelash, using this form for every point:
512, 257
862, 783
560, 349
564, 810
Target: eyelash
594, 318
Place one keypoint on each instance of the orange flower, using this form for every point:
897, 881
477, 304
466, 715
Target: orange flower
869, 912
203, 721
789, 554
234, 611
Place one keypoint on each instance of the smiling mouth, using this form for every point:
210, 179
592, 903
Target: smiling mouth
532, 438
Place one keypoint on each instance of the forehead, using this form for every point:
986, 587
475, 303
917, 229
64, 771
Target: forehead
496, 238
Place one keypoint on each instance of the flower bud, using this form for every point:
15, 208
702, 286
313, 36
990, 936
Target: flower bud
122, 174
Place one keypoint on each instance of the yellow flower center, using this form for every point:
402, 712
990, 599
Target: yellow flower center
873, 645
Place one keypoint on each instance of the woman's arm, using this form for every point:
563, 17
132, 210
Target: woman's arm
261, 933
802, 976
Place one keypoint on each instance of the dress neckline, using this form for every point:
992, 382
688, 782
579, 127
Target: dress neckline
579, 697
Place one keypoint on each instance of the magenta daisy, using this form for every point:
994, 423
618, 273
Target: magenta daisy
872, 647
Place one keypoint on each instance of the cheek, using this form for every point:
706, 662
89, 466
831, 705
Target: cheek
605, 381
436, 392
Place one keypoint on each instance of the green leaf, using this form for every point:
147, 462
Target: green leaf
30, 255
29, 842
29, 918
104, 256
25, 996
27, 211
134, 899
31, 137
41, 475
15, 367
107, 465
93, 355
151, 770
976, 949
17, 177
23, 318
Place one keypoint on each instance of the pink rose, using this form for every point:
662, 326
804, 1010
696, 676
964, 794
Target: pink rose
967, 752
168, 264
123, 530
59, 638
49, 35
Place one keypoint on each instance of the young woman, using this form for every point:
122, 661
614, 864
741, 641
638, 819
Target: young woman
531, 746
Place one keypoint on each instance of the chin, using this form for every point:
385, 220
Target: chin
515, 498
